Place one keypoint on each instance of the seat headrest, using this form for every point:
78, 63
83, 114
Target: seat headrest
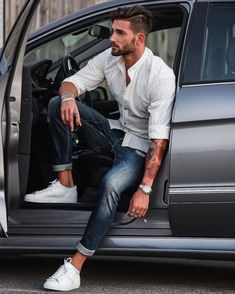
230, 55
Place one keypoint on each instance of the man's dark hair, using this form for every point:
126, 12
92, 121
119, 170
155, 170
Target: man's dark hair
139, 17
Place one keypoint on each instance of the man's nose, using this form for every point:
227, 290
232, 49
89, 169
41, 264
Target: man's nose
112, 37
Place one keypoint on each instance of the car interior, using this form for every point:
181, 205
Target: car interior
44, 70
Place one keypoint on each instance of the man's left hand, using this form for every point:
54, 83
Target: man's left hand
139, 204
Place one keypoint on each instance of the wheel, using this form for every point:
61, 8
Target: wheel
69, 65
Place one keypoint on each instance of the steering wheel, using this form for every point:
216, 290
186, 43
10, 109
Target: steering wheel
69, 65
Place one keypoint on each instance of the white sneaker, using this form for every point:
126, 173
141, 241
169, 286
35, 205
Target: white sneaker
54, 193
66, 278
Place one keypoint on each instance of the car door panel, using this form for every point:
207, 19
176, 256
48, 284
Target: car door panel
9, 59
202, 143
202, 182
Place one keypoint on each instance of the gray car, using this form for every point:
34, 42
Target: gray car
192, 212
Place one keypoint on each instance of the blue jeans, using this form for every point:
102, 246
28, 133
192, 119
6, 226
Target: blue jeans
125, 174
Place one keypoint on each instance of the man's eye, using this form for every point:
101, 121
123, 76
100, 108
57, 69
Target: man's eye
121, 32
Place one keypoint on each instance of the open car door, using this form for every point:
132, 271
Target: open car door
10, 85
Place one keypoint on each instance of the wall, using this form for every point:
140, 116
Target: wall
48, 10
1, 23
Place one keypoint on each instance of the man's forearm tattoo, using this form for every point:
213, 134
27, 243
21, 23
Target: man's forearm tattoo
154, 159
151, 151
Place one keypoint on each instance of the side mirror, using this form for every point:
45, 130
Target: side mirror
99, 32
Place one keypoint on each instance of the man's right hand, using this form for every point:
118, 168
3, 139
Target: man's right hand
70, 114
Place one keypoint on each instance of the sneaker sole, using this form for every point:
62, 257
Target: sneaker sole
49, 201
55, 288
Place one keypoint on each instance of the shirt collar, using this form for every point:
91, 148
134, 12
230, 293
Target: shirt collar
136, 65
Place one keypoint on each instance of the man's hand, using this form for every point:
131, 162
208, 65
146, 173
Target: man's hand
69, 110
139, 204
70, 113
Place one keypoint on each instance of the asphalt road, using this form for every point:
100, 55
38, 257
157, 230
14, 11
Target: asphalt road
121, 275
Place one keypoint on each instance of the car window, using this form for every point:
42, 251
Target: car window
164, 43
64, 44
164, 38
213, 48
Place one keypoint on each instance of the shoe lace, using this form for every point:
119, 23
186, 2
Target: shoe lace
51, 184
61, 270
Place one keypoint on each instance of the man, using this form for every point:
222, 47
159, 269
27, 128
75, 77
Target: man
144, 87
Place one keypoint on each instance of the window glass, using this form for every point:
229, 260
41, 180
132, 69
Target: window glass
164, 44
214, 53
164, 38
163, 41
63, 46
57, 48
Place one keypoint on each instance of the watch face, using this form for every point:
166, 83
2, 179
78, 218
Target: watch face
147, 189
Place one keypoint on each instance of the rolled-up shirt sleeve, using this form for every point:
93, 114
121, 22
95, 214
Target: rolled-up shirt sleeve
89, 77
160, 109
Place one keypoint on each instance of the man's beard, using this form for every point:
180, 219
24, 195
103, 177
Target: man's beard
127, 49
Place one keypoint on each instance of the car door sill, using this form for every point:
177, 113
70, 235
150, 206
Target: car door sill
209, 248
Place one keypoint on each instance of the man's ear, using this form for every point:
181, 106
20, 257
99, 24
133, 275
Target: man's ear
141, 38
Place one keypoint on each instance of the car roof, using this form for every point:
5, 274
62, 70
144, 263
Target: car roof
110, 4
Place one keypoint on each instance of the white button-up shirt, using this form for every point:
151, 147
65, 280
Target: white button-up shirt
145, 105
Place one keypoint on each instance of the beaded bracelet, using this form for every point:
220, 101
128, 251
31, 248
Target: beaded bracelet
67, 95
67, 99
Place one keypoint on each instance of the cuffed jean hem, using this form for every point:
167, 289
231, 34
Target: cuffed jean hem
62, 167
84, 250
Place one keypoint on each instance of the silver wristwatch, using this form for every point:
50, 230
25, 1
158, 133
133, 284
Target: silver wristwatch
146, 189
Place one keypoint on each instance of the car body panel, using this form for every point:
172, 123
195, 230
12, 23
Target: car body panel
202, 183
202, 248
202, 162
203, 124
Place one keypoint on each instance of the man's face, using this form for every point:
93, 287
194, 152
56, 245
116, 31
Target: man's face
123, 39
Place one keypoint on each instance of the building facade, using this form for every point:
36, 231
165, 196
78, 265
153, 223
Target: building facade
1, 23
